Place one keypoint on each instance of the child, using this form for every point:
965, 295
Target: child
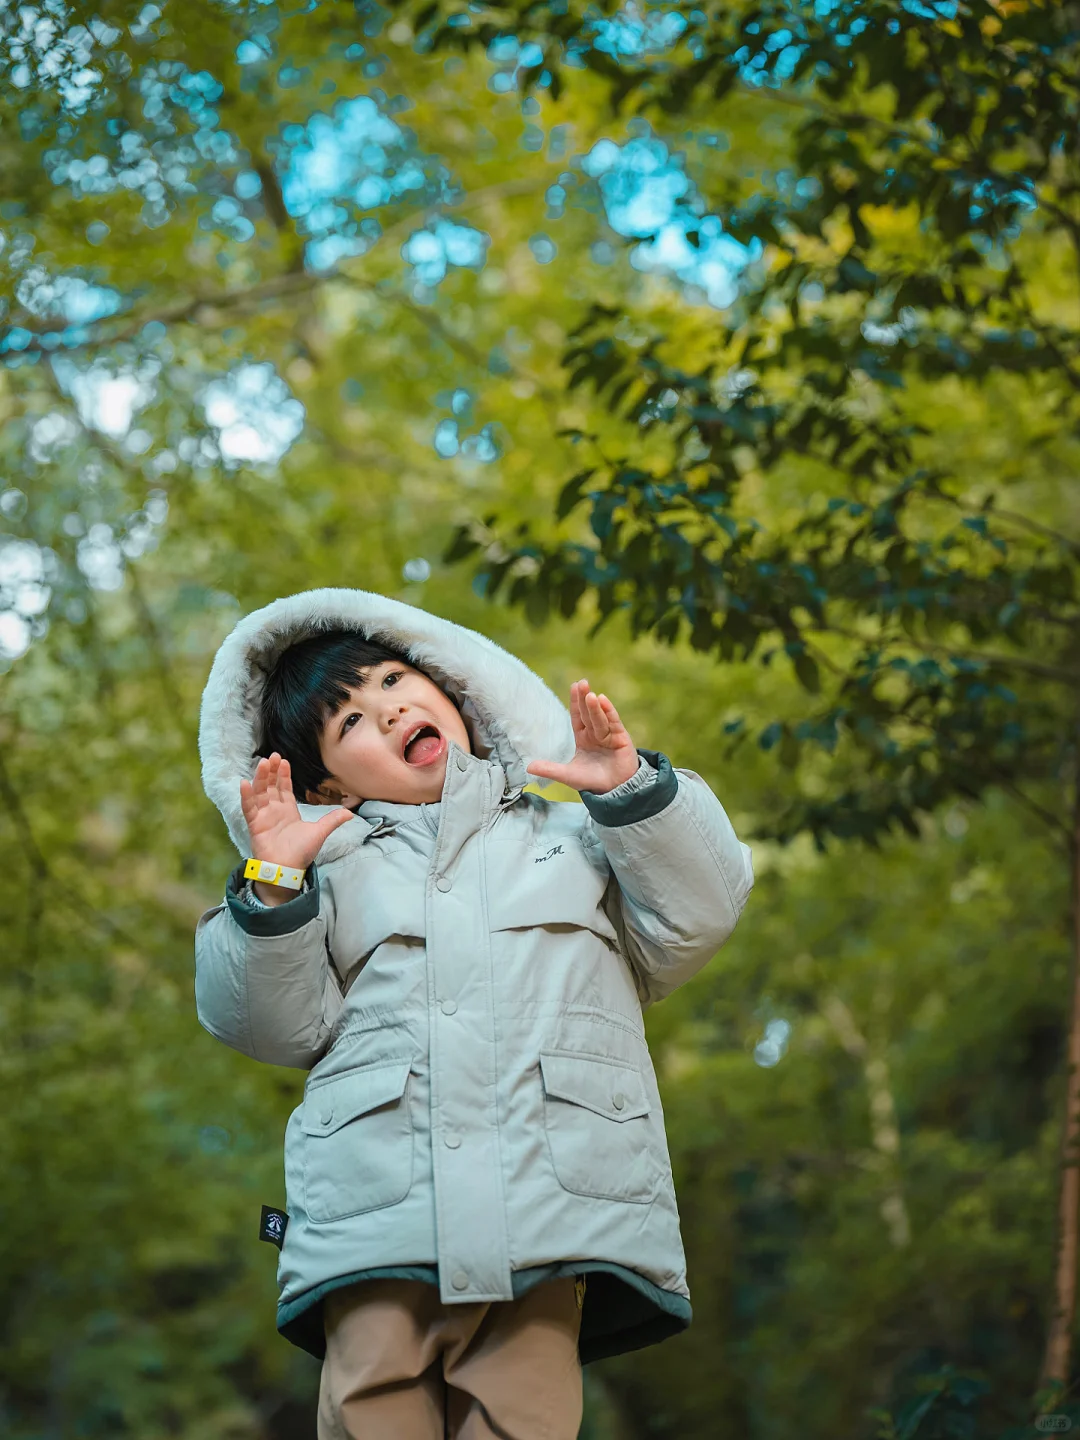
477, 1180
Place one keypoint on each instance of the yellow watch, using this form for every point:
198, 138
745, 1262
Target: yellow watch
272, 874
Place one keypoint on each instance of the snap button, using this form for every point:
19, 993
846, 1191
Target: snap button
459, 1280
451, 1141
327, 1115
443, 884
462, 763
618, 1100
449, 1006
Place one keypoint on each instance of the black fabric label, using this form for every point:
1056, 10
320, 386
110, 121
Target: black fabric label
272, 1225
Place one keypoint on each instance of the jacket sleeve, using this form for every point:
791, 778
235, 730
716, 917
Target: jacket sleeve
264, 981
683, 875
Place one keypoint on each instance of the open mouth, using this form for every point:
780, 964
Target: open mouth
423, 746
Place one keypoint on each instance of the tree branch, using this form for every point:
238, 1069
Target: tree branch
931, 647
41, 870
155, 644
274, 204
854, 119
38, 863
289, 282
1049, 819
1036, 527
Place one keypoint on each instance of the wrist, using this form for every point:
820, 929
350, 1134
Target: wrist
273, 894
628, 772
649, 790
272, 883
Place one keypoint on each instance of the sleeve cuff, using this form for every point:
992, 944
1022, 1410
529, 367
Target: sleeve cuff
649, 790
269, 920
249, 897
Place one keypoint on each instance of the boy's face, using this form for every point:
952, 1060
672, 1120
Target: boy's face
389, 741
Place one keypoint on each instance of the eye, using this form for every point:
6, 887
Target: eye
393, 675
347, 723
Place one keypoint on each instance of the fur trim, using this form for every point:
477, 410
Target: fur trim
509, 710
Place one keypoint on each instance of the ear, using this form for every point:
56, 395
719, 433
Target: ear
329, 794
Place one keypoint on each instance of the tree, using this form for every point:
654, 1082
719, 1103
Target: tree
811, 498
167, 310
202, 410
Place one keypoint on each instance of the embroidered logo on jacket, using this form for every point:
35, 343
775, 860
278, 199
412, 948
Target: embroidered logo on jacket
555, 850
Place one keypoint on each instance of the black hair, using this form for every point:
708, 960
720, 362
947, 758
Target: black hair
308, 683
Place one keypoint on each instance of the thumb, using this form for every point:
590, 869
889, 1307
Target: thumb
329, 823
547, 770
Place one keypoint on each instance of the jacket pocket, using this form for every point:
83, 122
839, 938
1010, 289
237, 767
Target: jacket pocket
596, 1117
358, 1141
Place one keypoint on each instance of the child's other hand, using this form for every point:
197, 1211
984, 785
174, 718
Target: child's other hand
274, 824
605, 755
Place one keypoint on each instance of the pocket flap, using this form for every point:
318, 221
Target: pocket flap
556, 885
335, 1102
609, 1088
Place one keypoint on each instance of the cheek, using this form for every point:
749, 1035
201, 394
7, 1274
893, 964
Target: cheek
453, 721
360, 754
442, 708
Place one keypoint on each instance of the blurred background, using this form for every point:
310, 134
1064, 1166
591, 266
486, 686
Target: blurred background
727, 355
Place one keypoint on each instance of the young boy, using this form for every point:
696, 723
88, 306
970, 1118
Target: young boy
477, 1180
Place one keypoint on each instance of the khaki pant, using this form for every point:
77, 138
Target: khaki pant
401, 1365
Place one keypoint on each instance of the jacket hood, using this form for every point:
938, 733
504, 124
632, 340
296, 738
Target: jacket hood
510, 714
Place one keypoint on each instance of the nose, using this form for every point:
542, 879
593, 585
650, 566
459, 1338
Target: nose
393, 713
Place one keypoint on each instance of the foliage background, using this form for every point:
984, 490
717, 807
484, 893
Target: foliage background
203, 410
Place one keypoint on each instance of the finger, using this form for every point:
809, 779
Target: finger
583, 706
585, 736
285, 779
268, 782
282, 784
258, 786
273, 788
615, 725
576, 716
584, 730
598, 725
247, 801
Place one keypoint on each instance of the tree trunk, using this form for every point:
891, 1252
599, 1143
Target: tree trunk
1058, 1355
886, 1137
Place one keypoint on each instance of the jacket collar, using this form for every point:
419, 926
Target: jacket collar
387, 815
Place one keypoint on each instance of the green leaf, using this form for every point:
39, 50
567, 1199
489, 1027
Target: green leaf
537, 606
807, 670
570, 494
460, 546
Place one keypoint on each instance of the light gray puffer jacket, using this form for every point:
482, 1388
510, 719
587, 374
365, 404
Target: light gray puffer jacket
464, 982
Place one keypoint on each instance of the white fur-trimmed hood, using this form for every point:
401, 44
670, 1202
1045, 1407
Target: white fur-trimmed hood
508, 709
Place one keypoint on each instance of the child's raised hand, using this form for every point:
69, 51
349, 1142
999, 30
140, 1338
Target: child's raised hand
273, 817
605, 755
